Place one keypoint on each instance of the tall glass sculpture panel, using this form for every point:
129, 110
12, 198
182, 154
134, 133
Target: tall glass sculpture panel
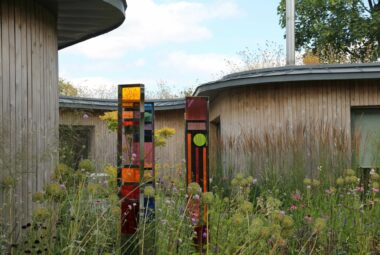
197, 162
130, 161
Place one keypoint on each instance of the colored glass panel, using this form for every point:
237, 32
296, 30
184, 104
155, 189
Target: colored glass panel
127, 115
130, 192
130, 175
200, 140
196, 126
148, 127
129, 216
131, 94
148, 154
196, 108
148, 175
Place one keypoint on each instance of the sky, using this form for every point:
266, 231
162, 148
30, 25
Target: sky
179, 43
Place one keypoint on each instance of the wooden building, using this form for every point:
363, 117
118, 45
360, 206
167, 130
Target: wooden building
80, 117
336, 106
32, 32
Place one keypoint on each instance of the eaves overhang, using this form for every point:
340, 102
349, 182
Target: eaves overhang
79, 20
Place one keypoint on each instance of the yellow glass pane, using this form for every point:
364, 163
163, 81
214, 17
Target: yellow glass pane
131, 94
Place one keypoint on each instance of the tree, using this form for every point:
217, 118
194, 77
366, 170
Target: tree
66, 88
337, 31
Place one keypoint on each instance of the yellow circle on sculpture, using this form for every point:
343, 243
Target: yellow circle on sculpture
200, 140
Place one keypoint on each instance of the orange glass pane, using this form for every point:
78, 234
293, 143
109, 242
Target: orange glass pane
128, 115
130, 175
131, 94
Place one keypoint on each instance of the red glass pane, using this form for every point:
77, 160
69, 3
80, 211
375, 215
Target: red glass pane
196, 108
196, 126
129, 216
130, 192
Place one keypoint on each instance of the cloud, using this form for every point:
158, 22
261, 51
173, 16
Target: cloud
150, 24
205, 65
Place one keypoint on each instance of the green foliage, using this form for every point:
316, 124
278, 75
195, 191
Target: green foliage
66, 88
337, 31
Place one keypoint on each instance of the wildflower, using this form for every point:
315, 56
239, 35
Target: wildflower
340, 181
308, 187
239, 177
293, 207
265, 232
134, 155
38, 197
54, 191
87, 166
237, 219
40, 214
287, 222
207, 197
315, 183
8, 182
129, 207
257, 223
359, 189
247, 207
350, 179
254, 181
194, 188
375, 190
204, 234
234, 182
297, 196
308, 218
372, 172
85, 116
194, 221
249, 179
307, 181
319, 224
330, 190
196, 197
149, 191
349, 172
375, 177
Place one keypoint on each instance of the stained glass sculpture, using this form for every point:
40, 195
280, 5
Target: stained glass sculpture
197, 163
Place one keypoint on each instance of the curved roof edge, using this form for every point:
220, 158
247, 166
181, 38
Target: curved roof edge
291, 74
78, 21
111, 104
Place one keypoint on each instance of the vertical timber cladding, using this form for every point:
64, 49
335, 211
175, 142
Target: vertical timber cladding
197, 157
28, 100
135, 154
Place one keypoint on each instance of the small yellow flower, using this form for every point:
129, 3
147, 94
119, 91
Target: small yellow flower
247, 207
194, 188
40, 214
38, 197
315, 183
287, 222
149, 191
349, 172
307, 181
319, 224
207, 198
340, 181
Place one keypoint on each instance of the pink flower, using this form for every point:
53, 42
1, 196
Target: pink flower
375, 190
297, 196
85, 116
134, 156
308, 218
293, 207
359, 189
